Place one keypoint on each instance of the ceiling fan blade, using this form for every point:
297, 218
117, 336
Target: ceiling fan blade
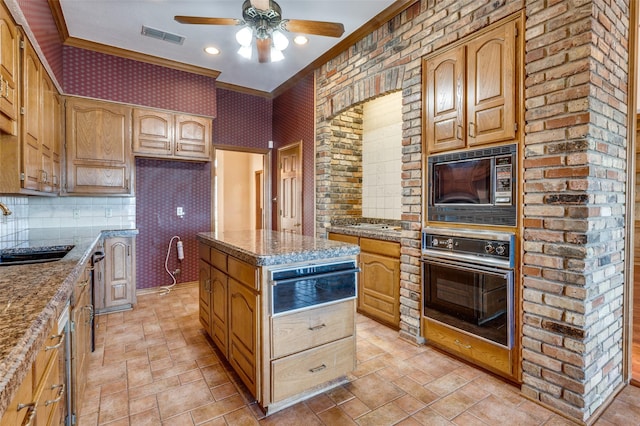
207, 21
329, 29
264, 49
261, 4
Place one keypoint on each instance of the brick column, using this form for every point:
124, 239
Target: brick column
574, 194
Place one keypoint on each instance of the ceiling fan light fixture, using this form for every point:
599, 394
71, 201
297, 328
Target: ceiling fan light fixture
244, 36
212, 50
245, 52
276, 55
280, 41
300, 40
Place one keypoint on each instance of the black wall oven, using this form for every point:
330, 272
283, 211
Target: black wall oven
467, 281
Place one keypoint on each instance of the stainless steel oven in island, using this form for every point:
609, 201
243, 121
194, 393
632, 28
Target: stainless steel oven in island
281, 308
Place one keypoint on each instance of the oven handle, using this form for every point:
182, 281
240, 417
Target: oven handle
466, 267
436, 254
315, 276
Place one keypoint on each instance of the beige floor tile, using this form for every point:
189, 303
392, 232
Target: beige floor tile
428, 417
240, 417
113, 407
223, 391
183, 419
409, 404
183, 398
453, 405
355, 408
143, 404
320, 403
387, 415
298, 414
146, 418
335, 416
374, 391
217, 409
447, 384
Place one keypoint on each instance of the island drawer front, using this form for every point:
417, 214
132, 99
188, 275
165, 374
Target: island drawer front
344, 238
385, 248
48, 349
213, 256
302, 371
243, 272
312, 327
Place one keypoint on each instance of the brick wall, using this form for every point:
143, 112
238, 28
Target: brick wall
574, 175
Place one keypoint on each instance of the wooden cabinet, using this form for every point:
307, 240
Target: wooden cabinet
243, 332
98, 143
379, 281
379, 285
30, 162
470, 92
118, 288
81, 317
162, 134
37, 401
9, 57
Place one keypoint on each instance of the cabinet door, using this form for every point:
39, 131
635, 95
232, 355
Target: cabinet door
204, 292
219, 283
379, 294
444, 83
243, 332
491, 108
192, 137
32, 119
119, 279
80, 348
50, 150
152, 132
15, 413
9, 42
98, 148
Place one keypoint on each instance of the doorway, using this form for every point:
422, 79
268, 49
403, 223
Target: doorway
240, 189
290, 188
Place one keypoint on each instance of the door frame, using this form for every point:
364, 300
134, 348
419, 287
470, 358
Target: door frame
266, 181
300, 174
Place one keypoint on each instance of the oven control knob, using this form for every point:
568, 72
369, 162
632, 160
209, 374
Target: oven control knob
489, 248
500, 249
450, 243
434, 242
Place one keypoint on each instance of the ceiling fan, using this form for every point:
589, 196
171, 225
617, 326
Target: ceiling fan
262, 19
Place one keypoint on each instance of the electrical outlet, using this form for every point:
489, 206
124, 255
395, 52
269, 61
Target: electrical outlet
176, 272
180, 211
108, 212
76, 213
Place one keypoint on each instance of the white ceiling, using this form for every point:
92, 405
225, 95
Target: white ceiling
118, 23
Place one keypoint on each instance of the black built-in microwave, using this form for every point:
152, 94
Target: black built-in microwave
474, 186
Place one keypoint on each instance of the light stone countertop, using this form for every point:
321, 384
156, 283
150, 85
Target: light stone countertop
32, 295
266, 248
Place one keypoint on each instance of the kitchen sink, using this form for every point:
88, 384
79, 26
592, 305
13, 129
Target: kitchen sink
49, 254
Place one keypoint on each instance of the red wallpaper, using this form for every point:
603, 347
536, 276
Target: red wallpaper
243, 120
162, 186
102, 76
293, 121
41, 23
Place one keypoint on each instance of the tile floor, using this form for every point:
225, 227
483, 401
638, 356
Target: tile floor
155, 366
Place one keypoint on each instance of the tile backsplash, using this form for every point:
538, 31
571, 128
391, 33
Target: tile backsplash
65, 212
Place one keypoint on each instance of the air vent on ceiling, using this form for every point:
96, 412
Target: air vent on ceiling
162, 35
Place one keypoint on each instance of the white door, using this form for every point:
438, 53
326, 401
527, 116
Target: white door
290, 188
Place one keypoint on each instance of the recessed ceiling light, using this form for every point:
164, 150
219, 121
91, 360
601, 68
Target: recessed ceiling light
300, 40
212, 50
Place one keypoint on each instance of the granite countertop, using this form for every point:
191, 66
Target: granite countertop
266, 248
31, 295
378, 229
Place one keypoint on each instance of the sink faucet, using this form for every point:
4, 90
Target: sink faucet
5, 210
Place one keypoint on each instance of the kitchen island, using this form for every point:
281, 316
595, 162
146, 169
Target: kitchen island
281, 309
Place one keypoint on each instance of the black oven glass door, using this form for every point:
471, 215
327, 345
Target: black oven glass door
475, 299
308, 287
463, 182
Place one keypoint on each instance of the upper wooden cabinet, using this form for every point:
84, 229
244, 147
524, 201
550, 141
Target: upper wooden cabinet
470, 92
98, 143
161, 134
9, 57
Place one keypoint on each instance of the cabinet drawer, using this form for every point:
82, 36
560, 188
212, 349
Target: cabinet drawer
14, 416
385, 248
219, 259
303, 330
305, 370
204, 251
489, 355
243, 272
48, 349
50, 395
344, 238
81, 285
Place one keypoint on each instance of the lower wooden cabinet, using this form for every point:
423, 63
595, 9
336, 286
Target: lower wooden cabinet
118, 288
379, 283
81, 313
243, 332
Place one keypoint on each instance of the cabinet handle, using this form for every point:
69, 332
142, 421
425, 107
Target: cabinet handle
60, 395
55, 180
84, 283
31, 415
459, 132
472, 129
459, 343
207, 285
56, 346
317, 327
318, 368
6, 88
90, 308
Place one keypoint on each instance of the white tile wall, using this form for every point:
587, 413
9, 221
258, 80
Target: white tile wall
58, 212
382, 157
